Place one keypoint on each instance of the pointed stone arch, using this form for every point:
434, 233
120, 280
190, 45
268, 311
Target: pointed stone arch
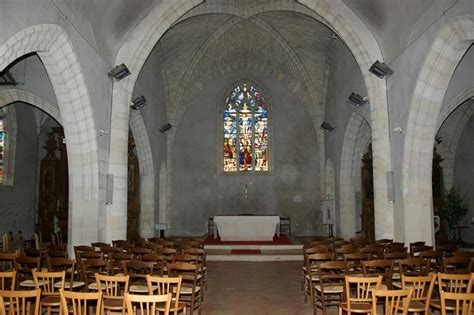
356, 139
344, 22
147, 175
444, 55
55, 49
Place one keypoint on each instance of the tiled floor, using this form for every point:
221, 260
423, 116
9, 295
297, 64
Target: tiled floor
255, 288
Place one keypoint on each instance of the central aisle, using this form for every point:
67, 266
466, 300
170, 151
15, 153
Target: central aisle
255, 288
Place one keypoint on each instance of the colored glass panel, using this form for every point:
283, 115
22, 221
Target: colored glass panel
245, 130
230, 139
261, 139
245, 139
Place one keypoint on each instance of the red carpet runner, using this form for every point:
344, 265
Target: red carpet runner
277, 240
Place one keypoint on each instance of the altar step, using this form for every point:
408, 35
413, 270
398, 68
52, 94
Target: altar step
254, 252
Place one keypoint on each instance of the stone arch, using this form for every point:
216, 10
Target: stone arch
147, 175
56, 51
15, 95
461, 109
444, 55
344, 22
356, 139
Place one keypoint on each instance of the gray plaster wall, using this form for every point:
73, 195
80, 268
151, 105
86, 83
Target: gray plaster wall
17, 202
150, 84
464, 177
201, 190
344, 78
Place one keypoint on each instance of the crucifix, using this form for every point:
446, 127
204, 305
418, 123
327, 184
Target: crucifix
246, 186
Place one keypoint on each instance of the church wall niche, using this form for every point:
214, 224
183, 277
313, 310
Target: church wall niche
199, 191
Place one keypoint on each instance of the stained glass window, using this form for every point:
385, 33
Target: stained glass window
2, 146
245, 130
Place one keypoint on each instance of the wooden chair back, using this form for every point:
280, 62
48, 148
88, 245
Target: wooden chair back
50, 282
89, 268
80, 303
20, 302
355, 261
383, 267
456, 264
190, 291
116, 262
137, 271
158, 261
7, 260
395, 301
69, 267
455, 283
137, 252
358, 290
165, 285
422, 290
7, 280
461, 302
113, 289
24, 267
414, 266
447, 249
147, 304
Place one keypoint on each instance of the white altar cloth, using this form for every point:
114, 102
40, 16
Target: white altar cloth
246, 228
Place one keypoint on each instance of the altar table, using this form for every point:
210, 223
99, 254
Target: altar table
246, 228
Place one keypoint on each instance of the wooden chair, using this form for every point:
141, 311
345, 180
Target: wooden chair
89, 268
113, 289
99, 245
166, 252
456, 264
165, 285
137, 271
462, 302
49, 283
355, 261
201, 254
159, 263
394, 301
422, 290
452, 283
7, 260
311, 276
116, 261
190, 291
447, 249
80, 249
166, 243
435, 258
137, 252
81, 303
416, 244
7, 280
147, 304
69, 266
358, 294
383, 267
24, 267
316, 249
411, 267
20, 302
330, 286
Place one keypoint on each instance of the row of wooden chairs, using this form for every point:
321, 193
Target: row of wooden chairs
181, 283
80, 303
326, 287
362, 295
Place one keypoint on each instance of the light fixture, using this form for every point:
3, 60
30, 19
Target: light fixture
119, 72
381, 70
357, 100
165, 128
327, 127
138, 103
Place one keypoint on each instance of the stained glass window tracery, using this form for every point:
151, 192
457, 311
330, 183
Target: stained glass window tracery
245, 122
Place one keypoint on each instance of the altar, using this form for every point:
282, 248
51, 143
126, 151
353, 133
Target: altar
246, 228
